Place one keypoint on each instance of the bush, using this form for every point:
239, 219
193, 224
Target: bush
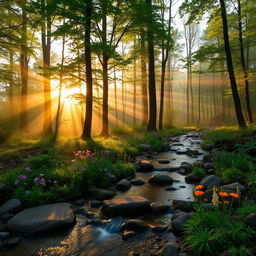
211, 232
198, 171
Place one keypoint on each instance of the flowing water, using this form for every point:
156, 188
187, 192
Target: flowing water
105, 238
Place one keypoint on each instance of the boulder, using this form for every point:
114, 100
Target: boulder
95, 204
101, 194
185, 206
163, 161
187, 166
123, 185
250, 220
166, 147
144, 166
41, 218
210, 181
159, 228
137, 182
158, 207
10, 206
179, 220
191, 179
135, 225
233, 187
160, 179
125, 206
169, 249
128, 234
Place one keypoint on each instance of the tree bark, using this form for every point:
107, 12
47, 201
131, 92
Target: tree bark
88, 66
237, 102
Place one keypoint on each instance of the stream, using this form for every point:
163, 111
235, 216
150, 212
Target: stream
104, 239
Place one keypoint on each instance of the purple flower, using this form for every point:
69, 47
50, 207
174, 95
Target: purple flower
23, 177
16, 182
75, 167
27, 192
105, 169
82, 168
111, 175
36, 179
28, 169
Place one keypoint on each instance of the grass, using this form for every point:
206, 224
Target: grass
225, 134
212, 232
198, 172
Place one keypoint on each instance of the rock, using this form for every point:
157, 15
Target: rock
210, 181
185, 206
10, 206
6, 216
4, 235
182, 186
250, 220
101, 194
233, 187
41, 218
208, 166
80, 202
187, 166
170, 189
179, 220
191, 179
133, 205
163, 161
210, 171
137, 182
174, 169
123, 185
11, 242
166, 147
182, 171
128, 234
160, 179
144, 166
2, 192
145, 147
158, 207
160, 228
95, 204
170, 249
135, 225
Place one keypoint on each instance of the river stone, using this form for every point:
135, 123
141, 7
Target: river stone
135, 225
179, 220
191, 179
144, 166
187, 166
250, 220
128, 234
210, 181
95, 204
11, 205
233, 187
137, 182
159, 228
4, 235
158, 207
101, 194
41, 218
166, 147
11, 242
170, 189
123, 185
163, 161
133, 205
170, 249
160, 179
2, 192
185, 206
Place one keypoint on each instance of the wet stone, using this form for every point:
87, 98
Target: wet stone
95, 204
11, 242
137, 182
163, 161
170, 189
127, 235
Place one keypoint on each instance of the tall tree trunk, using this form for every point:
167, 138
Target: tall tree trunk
115, 89
165, 54
46, 47
191, 90
238, 108
134, 91
88, 66
57, 122
199, 95
144, 79
214, 91
105, 131
24, 70
123, 97
151, 68
10, 89
243, 63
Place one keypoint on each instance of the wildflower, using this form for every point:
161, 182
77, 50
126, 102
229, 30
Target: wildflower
16, 182
215, 189
199, 193
27, 192
73, 161
111, 175
75, 167
23, 177
205, 199
199, 186
28, 169
35, 180
55, 181
82, 168
223, 194
105, 169
226, 202
41, 175
215, 198
235, 195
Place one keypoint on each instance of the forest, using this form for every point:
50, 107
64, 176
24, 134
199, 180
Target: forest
127, 127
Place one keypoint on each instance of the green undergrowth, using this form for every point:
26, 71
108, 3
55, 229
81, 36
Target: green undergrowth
212, 232
225, 134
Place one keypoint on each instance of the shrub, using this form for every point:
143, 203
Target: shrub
211, 232
198, 171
